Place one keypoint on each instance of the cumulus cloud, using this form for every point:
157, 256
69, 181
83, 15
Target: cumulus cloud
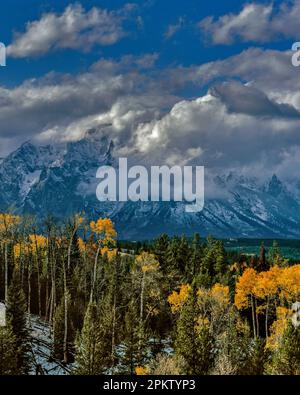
254, 23
75, 28
60, 107
247, 121
246, 99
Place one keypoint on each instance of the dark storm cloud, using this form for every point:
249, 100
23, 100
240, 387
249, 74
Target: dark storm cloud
245, 99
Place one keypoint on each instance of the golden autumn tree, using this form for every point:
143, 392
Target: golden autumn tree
178, 298
267, 288
105, 234
8, 228
147, 266
245, 295
289, 283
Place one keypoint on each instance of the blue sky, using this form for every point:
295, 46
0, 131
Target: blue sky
206, 82
145, 26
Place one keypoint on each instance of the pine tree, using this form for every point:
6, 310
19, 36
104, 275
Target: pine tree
220, 261
194, 344
207, 268
275, 257
8, 354
286, 360
89, 345
193, 263
134, 340
161, 247
262, 264
16, 315
59, 332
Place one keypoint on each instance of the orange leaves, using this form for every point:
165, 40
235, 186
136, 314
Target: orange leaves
141, 371
82, 245
110, 253
218, 294
103, 228
290, 282
37, 241
34, 244
8, 222
283, 282
245, 287
267, 283
177, 299
105, 234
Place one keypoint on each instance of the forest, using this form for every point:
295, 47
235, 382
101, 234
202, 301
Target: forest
177, 305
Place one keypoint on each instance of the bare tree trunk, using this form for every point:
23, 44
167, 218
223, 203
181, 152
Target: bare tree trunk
29, 293
267, 317
253, 316
65, 345
22, 266
94, 275
47, 303
142, 297
256, 317
6, 271
39, 287
113, 332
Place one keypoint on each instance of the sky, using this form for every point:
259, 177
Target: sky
178, 82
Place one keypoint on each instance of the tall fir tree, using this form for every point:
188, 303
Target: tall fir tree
8, 352
194, 343
16, 315
89, 345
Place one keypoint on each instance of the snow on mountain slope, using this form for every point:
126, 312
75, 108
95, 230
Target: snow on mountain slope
62, 180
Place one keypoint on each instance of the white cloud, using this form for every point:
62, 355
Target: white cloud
174, 28
75, 28
252, 127
254, 23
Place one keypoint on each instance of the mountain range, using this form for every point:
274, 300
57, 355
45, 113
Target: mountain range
61, 180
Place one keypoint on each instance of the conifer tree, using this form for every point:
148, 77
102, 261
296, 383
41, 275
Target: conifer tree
262, 264
16, 315
89, 345
194, 261
134, 340
286, 359
8, 354
194, 343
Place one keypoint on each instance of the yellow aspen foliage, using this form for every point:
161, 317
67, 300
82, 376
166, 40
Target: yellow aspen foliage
177, 299
147, 262
244, 288
141, 371
82, 245
220, 293
110, 253
278, 327
290, 283
267, 283
37, 241
104, 229
8, 222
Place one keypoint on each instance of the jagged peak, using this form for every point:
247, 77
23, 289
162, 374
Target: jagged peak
275, 186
